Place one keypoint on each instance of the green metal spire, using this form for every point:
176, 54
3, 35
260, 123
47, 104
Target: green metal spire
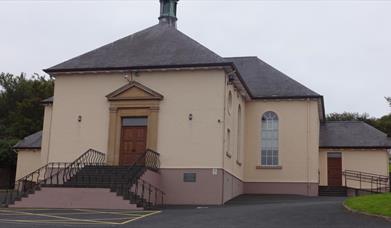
168, 11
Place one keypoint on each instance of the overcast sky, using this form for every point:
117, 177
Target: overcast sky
340, 49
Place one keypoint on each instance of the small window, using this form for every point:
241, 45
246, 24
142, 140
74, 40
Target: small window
189, 177
269, 139
334, 154
229, 102
134, 121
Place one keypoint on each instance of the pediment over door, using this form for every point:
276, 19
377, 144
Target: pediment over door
134, 91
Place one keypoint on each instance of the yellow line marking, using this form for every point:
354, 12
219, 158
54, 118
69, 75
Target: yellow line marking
77, 213
133, 215
65, 222
60, 217
105, 219
137, 213
143, 216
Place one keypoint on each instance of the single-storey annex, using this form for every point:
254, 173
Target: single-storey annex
218, 127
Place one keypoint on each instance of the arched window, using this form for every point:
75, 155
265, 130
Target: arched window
269, 154
239, 134
229, 102
229, 142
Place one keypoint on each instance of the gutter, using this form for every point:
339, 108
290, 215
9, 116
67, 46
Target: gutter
354, 147
26, 148
71, 70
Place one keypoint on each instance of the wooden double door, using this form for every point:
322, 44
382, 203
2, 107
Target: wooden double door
334, 169
133, 144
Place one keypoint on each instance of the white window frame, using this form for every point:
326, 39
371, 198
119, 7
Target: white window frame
239, 134
230, 102
270, 140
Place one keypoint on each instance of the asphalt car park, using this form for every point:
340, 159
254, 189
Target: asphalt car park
269, 211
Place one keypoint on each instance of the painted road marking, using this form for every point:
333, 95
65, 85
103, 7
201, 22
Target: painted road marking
57, 217
131, 220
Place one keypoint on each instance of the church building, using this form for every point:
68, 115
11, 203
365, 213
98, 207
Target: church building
202, 127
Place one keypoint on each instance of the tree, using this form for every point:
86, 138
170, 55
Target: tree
383, 123
21, 113
350, 116
388, 99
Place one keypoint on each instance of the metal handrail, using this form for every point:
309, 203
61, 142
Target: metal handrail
143, 191
54, 173
59, 173
90, 158
148, 160
379, 183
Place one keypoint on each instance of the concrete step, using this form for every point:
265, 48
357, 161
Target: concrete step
87, 198
332, 191
98, 179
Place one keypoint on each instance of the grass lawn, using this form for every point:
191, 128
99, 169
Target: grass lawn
379, 204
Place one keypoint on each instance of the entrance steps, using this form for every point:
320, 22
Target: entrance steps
332, 191
88, 183
68, 197
103, 176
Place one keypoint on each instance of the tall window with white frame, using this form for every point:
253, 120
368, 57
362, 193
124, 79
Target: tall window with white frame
269, 154
239, 134
228, 152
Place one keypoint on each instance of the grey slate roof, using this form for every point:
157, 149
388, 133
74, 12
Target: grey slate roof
352, 134
164, 46
30, 142
264, 81
159, 45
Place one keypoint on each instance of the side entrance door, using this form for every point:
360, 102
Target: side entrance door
133, 140
334, 169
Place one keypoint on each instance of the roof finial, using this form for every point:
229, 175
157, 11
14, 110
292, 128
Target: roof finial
168, 12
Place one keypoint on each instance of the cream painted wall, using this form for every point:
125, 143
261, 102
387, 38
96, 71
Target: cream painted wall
233, 153
181, 142
370, 161
298, 141
47, 123
28, 161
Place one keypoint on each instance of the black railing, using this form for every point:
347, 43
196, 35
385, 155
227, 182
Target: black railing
130, 186
146, 194
152, 160
366, 181
89, 158
31, 182
55, 173
142, 195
